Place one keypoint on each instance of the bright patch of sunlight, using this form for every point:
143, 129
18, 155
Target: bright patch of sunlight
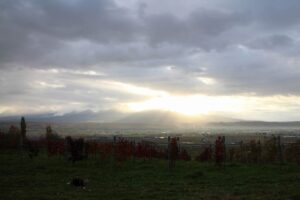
7, 110
138, 90
190, 105
124, 88
207, 80
43, 84
74, 72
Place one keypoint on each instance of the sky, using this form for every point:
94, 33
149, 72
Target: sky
227, 57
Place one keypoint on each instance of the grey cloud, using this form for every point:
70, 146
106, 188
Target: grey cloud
270, 14
200, 29
60, 92
43, 33
271, 42
177, 80
29, 30
98, 19
247, 47
263, 73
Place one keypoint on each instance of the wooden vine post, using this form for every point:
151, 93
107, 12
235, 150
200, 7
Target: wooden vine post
279, 150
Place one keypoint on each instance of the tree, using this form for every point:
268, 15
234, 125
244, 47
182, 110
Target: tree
173, 151
23, 134
219, 150
23, 128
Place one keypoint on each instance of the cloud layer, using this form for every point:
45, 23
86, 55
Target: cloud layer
71, 55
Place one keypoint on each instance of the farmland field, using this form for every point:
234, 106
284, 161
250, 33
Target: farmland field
47, 177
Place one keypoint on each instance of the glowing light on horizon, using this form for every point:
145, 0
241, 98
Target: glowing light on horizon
190, 105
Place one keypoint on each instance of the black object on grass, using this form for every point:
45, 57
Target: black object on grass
78, 182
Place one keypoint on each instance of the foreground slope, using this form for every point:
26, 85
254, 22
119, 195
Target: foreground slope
47, 178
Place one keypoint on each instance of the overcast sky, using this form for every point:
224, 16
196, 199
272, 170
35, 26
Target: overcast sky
133, 55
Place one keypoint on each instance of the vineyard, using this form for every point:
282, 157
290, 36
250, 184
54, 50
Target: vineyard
271, 150
124, 168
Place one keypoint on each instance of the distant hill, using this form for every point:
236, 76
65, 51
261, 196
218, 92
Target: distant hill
146, 120
72, 117
154, 117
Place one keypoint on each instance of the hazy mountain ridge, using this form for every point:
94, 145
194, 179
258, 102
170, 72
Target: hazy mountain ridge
72, 117
143, 119
113, 116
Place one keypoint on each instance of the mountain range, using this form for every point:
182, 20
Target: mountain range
113, 116
146, 118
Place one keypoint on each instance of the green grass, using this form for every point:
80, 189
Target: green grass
46, 178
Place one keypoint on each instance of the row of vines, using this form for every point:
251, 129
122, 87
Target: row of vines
122, 149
